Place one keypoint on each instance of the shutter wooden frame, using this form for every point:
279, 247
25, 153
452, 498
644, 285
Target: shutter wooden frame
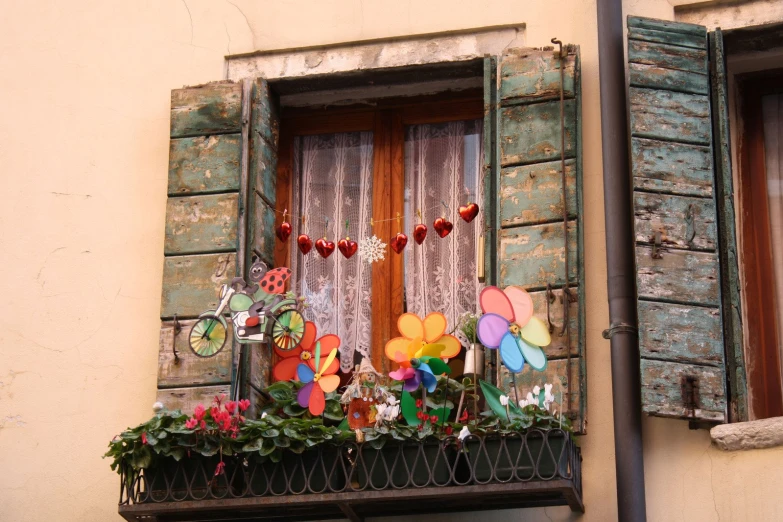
687, 282
222, 150
524, 207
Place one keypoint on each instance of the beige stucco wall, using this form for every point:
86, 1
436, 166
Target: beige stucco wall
84, 144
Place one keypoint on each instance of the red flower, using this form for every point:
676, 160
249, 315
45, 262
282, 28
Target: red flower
144, 438
191, 423
434, 419
203, 424
418, 403
231, 407
219, 468
421, 427
244, 404
199, 412
449, 430
420, 415
464, 416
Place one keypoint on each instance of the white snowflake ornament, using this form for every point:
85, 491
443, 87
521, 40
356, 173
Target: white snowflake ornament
372, 249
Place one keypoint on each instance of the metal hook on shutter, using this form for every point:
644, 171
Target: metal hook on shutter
177, 330
550, 298
690, 228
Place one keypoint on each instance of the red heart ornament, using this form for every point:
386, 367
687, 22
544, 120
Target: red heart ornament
419, 233
283, 231
324, 247
347, 247
469, 212
443, 226
398, 242
305, 243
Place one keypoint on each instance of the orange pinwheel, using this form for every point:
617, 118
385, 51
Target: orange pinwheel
285, 369
432, 330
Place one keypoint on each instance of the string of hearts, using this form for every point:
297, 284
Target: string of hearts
348, 247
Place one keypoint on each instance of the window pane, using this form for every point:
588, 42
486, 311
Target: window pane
333, 181
772, 109
442, 166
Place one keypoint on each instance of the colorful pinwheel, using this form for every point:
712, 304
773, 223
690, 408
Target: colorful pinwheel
508, 323
285, 369
317, 383
420, 350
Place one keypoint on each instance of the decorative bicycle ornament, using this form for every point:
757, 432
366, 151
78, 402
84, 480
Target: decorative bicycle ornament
259, 314
508, 323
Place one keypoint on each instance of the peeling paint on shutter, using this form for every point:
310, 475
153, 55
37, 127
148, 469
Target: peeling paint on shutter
680, 230
530, 239
220, 163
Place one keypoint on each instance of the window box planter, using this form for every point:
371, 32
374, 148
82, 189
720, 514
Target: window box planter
534, 468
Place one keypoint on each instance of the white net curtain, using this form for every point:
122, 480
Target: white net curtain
333, 181
442, 172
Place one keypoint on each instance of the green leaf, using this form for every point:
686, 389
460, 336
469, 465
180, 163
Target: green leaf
267, 447
253, 445
409, 409
441, 413
492, 396
142, 458
344, 425
294, 410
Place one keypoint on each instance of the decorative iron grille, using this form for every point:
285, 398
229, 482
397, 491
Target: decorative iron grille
536, 468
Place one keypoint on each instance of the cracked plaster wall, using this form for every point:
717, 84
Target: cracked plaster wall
84, 151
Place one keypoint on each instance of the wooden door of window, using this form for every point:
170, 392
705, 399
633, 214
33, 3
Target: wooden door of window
359, 172
761, 203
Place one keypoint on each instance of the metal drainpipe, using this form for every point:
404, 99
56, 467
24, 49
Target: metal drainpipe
620, 264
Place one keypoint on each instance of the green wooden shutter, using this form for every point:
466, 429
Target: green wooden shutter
684, 220
525, 189
211, 152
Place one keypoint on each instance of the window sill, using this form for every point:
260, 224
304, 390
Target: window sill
758, 434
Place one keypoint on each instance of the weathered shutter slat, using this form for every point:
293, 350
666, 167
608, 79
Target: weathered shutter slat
204, 165
199, 224
214, 108
531, 242
679, 233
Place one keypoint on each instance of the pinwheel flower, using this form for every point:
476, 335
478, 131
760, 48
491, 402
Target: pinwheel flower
285, 369
508, 323
420, 350
317, 383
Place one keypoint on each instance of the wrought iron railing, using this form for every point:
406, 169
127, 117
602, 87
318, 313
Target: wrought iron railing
352, 478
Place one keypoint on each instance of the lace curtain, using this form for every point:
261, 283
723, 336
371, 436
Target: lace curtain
443, 165
333, 180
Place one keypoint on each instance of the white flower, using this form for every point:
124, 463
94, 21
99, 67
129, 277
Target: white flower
372, 249
464, 433
380, 408
523, 403
263, 415
394, 412
391, 400
536, 390
548, 393
530, 399
504, 400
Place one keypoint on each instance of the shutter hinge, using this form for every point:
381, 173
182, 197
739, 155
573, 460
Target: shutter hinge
689, 386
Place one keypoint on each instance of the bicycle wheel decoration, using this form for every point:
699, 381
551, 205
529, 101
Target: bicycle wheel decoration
285, 369
508, 324
288, 329
317, 383
208, 336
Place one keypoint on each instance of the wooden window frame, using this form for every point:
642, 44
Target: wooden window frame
387, 120
762, 353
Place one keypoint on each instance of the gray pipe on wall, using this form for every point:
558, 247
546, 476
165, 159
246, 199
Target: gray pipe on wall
620, 263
